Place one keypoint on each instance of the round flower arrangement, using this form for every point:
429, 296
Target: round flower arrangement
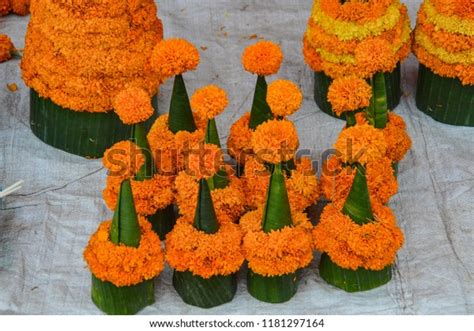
444, 46
18, 7
174, 57
263, 58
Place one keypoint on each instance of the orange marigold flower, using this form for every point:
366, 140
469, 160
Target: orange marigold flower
174, 57
239, 143
371, 246
20, 7
275, 141
150, 195
279, 252
124, 159
349, 94
362, 144
122, 265
284, 97
311, 57
204, 160
228, 202
209, 101
360, 11
5, 7
205, 255
6, 48
133, 105
263, 58
375, 55
337, 179
460, 8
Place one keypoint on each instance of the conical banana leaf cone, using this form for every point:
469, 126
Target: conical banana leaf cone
180, 115
260, 109
445, 99
125, 229
81, 133
277, 215
358, 208
322, 82
194, 289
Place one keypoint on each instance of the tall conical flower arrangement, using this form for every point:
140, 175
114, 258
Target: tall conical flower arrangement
357, 38
284, 99
152, 190
263, 59
124, 256
277, 240
173, 134
444, 45
357, 233
226, 189
78, 56
205, 248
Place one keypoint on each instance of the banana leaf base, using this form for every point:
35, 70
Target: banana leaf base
163, 221
445, 99
352, 280
204, 293
127, 300
322, 82
276, 289
81, 133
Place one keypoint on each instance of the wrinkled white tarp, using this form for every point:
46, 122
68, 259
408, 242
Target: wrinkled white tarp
45, 227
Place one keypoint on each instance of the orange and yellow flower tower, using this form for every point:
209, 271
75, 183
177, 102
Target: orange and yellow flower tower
78, 56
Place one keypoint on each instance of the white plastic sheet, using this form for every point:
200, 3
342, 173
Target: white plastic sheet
45, 227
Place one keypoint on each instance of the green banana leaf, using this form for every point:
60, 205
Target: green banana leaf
357, 205
377, 112
212, 135
163, 221
147, 171
219, 181
276, 289
205, 218
260, 110
445, 99
180, 115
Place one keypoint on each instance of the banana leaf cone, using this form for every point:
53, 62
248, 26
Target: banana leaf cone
220, 180
276, 215
445, 99
196, 290
260, 109
125, 230
359, 209
163, 220
322, 83
81, 133
180, 115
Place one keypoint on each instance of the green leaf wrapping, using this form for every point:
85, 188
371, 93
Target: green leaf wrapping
322, 82
377, 112
127, 300
180, 115
276, 289
125, 228
205, 218
359, 209
260, 110
212, 135
277, 212
204, 293
147, 171
445, 99
163, 221
81, 133
219, 181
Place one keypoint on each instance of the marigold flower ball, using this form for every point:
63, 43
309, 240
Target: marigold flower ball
263, 58
6, 48
349, 94
133, 105
124, 159
275, 141
204, 160
173, 57
20, 7
284, 97
375, 55
209, 101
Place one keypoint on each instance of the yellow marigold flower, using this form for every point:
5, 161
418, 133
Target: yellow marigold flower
362, 144
349, 94
263, 58
375, 55
173, 57
204, 160
275, 141
284, 97
133, 105
209, 101
460, 8
6, 48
